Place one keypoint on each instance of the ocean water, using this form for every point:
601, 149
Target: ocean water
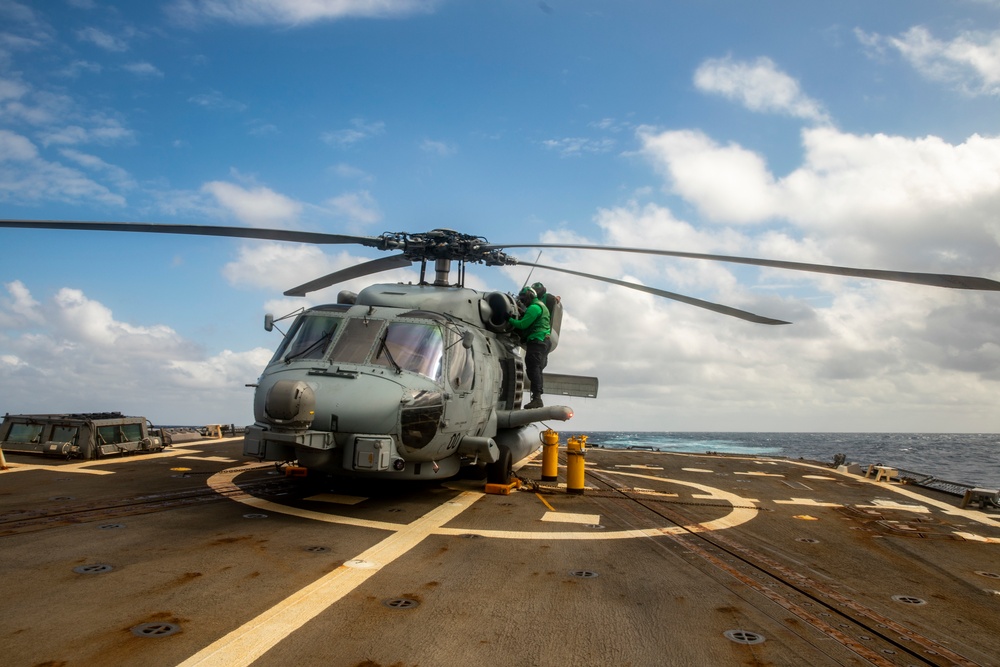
964, 458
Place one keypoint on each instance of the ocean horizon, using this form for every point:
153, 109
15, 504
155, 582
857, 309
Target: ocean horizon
963, 458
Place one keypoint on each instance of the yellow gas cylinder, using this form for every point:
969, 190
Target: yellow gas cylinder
550, 455
574, 464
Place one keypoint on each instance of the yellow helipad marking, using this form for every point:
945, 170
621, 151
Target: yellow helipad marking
214, 459
336, 498
822, 477
740, 513
250, 641
806, 501
568, 517
700, 470
805, 517
222, 482
706, 496
900, 489
650, 492
972, 537
77, 468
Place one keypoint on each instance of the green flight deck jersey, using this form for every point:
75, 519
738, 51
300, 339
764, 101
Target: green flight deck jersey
536, 322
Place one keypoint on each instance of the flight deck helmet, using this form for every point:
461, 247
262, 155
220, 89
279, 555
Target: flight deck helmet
527, 295
539, 290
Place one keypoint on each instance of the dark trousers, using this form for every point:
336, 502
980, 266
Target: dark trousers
535, 359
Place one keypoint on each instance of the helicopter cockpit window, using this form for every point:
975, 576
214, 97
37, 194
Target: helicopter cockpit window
411, 346
357, 340
310, 337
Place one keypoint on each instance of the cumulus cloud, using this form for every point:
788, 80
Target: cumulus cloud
259, 206
759, 86
73, 351
293, 12
851, 344
920, 191
969, 62
276, 267
357, 207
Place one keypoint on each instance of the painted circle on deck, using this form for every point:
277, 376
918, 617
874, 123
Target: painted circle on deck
741, 511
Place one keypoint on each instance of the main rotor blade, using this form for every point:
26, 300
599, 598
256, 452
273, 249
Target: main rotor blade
707, 305
356, 271
933, 279
196, 230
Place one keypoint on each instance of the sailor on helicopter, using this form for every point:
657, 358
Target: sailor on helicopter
535, 324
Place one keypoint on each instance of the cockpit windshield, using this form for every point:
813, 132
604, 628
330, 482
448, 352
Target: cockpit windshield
412, 346
309, 338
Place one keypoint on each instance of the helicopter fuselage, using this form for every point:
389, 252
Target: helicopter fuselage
399, 381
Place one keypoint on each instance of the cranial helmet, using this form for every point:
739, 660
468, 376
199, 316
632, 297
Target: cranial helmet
527, 295
539, 290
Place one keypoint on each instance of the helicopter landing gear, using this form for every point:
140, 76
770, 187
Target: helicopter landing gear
501, 471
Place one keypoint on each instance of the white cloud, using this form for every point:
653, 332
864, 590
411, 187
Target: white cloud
20, 309
970, 61
671, 366
344, 170
759, 86
102, 39
26, 177
360, 130
575, 146
901, 194
358, 207
217, 101
225, 370
259, 206
143, 69
293, 12
70, 354
119, 176
699, 169
98, 130
276, 267
439, 148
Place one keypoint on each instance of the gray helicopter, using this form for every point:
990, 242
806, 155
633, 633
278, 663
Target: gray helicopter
420, 381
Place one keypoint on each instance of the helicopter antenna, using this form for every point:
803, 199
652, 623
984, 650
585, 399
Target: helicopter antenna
532, 270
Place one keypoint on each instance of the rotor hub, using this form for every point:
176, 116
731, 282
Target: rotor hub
447, 244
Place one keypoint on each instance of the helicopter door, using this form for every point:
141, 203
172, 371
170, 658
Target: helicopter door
461, 370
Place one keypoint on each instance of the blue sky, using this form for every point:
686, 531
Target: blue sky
854, 133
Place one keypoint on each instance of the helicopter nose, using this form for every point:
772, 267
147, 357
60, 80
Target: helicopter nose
291, 403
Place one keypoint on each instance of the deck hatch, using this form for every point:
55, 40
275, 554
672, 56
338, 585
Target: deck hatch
743, 637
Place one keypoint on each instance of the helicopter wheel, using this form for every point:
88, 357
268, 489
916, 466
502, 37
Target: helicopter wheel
500, 472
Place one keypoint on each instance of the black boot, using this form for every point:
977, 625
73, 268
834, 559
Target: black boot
536, 402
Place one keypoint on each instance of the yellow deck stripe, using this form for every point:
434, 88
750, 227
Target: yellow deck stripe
253, 639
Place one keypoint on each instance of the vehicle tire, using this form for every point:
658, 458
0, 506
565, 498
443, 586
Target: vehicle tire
500, 472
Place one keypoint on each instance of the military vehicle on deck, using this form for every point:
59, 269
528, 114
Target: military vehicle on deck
87, 436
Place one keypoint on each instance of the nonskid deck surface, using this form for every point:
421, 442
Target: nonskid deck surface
199, 557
